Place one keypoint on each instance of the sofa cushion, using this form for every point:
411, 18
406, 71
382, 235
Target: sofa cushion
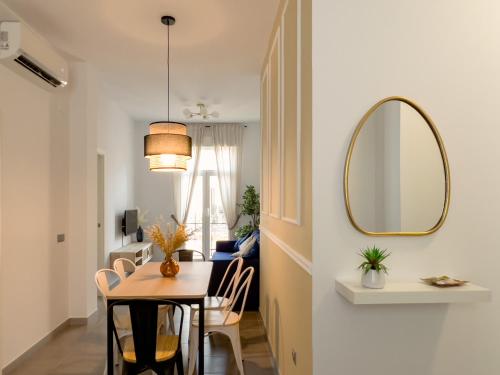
220, 256
239, 241
245, 247
254, 251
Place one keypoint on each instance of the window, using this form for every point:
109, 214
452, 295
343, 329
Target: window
206, 215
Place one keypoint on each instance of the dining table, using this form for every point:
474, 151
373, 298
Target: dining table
188, 287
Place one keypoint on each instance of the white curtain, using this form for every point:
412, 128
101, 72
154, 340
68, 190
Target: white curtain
228, 139
185, 182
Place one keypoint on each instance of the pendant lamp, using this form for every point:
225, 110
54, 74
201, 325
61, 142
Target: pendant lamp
167, 146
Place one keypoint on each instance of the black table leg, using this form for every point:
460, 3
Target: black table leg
110, 356
201, 338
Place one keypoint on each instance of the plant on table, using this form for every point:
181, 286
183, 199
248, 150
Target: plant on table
373, 267
249, 207
168, 241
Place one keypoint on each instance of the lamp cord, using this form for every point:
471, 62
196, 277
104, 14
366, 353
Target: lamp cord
168, 72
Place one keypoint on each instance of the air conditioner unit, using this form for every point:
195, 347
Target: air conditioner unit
28, 53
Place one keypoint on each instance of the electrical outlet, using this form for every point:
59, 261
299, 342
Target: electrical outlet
60, 237
294, 357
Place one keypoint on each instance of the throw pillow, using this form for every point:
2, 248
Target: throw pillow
254, 251
245, 247
238, 242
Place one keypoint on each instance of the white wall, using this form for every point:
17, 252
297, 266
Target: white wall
445, 55
48, 171
116, 140
34, 198
250, 165
82, 236
154, 191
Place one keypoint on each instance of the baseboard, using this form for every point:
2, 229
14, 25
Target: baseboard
23, 358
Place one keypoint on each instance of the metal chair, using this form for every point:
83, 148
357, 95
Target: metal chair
224, 321
186, 255
120, 265
145, 349
120, 317
221, 301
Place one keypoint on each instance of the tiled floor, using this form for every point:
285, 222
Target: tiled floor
80, 350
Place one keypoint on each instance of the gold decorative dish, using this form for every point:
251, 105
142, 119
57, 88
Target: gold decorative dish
443, 281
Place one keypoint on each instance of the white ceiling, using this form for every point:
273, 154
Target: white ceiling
217, 48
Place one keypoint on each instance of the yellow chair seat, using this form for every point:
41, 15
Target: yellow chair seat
166, 346
216, 318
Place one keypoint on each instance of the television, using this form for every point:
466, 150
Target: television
129, 222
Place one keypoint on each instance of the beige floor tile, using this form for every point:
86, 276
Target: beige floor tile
81, 350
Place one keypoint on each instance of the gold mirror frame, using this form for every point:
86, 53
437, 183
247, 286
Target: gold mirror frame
444, 158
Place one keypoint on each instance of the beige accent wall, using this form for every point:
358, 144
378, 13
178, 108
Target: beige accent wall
286, 282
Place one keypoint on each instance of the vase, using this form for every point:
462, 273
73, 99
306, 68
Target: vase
373, 279
169, 267
139, 234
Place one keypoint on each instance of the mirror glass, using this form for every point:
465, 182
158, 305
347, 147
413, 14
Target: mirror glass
396, 172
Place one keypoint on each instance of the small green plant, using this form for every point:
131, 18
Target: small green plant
373, 257
249, 207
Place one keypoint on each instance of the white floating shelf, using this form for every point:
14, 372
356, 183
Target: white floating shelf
406, 293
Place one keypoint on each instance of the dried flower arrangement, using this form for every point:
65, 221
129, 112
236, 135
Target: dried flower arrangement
167, 241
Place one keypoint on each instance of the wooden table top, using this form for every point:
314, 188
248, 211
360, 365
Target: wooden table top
147, 282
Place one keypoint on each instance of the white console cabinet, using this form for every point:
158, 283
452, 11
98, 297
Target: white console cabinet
138, 252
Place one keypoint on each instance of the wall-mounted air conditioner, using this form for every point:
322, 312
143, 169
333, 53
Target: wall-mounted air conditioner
28, 53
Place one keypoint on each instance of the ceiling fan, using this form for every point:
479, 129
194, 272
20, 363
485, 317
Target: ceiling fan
202, 112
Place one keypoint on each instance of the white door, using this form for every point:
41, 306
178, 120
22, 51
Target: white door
206, 218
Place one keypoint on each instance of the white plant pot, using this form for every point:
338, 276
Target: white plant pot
373, 279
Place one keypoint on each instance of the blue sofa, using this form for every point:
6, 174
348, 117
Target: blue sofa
221, 259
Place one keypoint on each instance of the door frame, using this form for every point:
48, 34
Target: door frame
101, 209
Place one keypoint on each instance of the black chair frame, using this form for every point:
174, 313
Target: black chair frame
144, 319
186, 255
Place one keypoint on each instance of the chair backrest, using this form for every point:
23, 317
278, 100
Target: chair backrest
186, 255
144, 319
243, 287
121, 264
233, 282
102, 281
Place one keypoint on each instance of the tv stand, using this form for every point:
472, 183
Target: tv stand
138, 252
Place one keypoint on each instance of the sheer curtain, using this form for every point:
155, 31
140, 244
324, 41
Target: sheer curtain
185, 182
228, 139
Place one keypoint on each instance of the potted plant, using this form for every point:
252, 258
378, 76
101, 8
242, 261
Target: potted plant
249, 207
373, 269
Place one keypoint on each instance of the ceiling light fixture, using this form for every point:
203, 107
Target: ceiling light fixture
167, 146
202, 112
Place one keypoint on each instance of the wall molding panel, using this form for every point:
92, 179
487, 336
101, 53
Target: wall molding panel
274, 125
301, 261
295, 90
264, 135
279, 128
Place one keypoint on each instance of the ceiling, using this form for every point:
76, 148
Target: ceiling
217, 48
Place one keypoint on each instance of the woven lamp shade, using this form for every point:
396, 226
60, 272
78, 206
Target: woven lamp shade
167, 146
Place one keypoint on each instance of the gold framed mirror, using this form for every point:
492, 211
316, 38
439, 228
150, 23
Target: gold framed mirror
396, 175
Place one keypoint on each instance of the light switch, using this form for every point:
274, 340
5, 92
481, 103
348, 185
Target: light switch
60, 237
